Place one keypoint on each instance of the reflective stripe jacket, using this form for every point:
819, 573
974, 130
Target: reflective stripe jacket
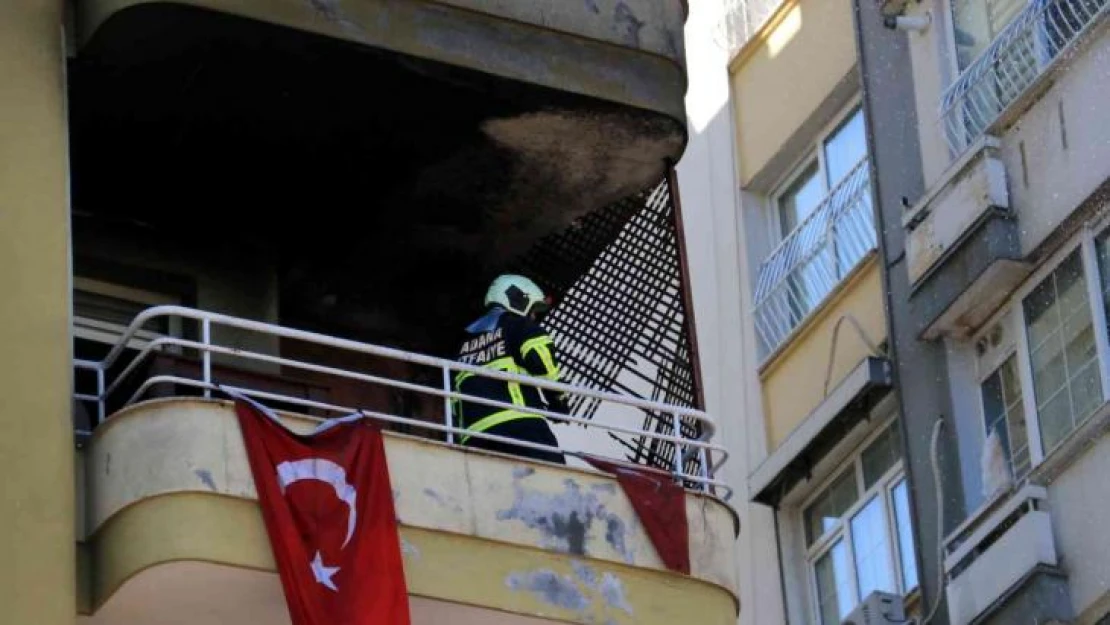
511, 343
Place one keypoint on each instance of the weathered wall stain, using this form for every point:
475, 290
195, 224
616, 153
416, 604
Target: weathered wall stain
551, 588
627, 25
409, 550
205, 476
444, 501
612, 590
333, 12
594, 596
565, 519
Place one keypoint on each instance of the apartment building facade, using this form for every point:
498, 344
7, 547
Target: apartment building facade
306, 201
790, 281
988, 137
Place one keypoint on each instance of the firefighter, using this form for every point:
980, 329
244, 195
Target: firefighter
509, 338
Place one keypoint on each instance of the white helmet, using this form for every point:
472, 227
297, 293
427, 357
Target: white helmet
517, 294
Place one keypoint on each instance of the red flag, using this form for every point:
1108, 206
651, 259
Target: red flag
328, 507
661, 505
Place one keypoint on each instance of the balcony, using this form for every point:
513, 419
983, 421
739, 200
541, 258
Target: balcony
173, 525
1009, 71
807, 267
1023, 154
962, 246
1001, 564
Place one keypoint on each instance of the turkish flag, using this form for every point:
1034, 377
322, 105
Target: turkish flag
328, 507
660, 504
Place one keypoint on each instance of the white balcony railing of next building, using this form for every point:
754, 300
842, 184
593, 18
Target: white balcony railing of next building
805, 268
1021, 53
119, 383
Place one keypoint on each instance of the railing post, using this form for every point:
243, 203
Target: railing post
678, 452
100, 399
447, 403
206, 357
703, 458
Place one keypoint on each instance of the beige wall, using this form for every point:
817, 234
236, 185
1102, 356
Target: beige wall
931, 66
793, 380
168, 480
781, 78
37, 551
719, 279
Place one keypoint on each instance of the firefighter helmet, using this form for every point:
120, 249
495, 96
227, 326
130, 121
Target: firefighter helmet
517, 294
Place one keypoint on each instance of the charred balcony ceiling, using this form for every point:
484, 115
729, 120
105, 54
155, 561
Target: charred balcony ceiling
393, 158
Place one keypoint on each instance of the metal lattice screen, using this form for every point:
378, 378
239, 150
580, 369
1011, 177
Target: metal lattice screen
621, 323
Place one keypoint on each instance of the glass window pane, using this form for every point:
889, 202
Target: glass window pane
1102, 248
905, 536
845, 148
977, 23
1004, 413
1086, 392
1037, 318
880, 456
1055, 418
822, 515
871, 544
801, 198
834, 591
1066, 378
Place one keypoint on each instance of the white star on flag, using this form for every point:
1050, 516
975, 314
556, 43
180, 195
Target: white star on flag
323, 573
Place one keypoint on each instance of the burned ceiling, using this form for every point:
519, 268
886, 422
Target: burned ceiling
392, 189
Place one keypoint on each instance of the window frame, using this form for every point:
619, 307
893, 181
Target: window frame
814, 151
985, 373
110, 333
822, 545
1012, 313
953, 49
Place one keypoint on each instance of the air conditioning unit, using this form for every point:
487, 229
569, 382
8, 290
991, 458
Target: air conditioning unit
879, 608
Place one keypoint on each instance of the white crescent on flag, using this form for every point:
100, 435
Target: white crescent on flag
325, 471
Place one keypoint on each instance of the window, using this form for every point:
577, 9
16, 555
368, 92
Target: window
102, 312
1004, 416
1062, 354
976, 23
823, 221
840, 151
858, 532
800, 198
1043, 364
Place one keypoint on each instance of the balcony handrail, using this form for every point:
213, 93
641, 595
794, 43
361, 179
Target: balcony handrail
778, 310
685, 447
1005, 70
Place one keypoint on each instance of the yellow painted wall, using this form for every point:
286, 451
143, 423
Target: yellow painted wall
793, 381
37, 551
783, 74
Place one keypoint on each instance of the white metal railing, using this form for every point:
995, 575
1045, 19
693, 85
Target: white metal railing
111, 377
1019, 55
812, 260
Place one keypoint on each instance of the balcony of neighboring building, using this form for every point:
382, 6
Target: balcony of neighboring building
1014, 148
171, 529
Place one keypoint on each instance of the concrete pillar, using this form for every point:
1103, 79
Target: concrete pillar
37, 538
